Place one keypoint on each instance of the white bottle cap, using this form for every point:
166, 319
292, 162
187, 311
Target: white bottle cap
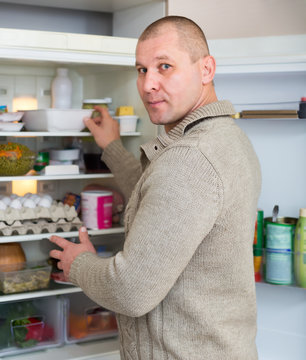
303, 212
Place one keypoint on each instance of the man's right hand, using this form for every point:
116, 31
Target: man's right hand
104, 128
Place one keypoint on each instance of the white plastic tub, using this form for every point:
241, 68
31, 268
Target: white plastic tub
55, 119
127, 123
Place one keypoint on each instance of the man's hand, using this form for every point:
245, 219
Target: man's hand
70, 250
104, 128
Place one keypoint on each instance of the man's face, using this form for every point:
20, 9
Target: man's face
169, 84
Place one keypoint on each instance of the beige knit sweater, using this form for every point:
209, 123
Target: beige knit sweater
183, 286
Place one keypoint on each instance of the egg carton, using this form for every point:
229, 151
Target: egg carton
40, 226
56, 211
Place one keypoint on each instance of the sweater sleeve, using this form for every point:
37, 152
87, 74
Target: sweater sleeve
123, 165
180, 200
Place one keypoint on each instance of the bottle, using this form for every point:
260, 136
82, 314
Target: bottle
300, 250
302, 108
61, 90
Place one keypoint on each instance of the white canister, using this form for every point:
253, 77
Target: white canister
97, 209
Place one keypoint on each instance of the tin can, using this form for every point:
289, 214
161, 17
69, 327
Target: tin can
258, 243
279, 245
97, 209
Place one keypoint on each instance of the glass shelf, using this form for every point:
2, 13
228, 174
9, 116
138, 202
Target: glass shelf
70, 234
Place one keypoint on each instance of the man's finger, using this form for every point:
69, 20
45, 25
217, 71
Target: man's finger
56, 254
61, 242
83, 235
102, 110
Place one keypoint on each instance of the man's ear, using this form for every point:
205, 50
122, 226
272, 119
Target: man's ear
208, 69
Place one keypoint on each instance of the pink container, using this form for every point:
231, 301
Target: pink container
97, 209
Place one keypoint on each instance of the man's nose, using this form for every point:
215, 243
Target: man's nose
151, 81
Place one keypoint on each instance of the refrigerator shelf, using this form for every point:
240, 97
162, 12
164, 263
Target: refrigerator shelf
70, 234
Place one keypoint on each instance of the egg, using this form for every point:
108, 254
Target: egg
47, 196
14, 196
45, 202
29, 203
22, 199
6, 200
35, 198
3, 205
28, 195
16, 204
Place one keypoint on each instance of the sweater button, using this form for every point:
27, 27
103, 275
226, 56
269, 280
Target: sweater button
155, 147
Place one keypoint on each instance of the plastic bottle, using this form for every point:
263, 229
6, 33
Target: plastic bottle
61, 90
300, 250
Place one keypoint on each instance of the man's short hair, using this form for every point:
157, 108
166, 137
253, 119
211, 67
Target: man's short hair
191, 37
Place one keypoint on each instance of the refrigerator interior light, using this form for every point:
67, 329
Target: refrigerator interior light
21, 187
24, 103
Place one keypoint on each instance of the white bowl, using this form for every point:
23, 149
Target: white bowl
127, 123
65, 154
11, 116
55, 119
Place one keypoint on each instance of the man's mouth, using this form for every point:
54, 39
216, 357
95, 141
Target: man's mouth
155, 102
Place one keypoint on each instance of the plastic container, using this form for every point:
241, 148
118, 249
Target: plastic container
86, 320
27, 326
31, 276
55, 119
97, 209
61, 90
128, 123
300, 250
279, 240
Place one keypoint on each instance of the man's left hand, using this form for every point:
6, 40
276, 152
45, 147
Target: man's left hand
70, 250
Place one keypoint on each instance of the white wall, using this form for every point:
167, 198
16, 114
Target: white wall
243, 18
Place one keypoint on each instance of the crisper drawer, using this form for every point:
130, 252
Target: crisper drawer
31, 325
85, 320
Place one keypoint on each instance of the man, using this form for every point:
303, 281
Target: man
183, 286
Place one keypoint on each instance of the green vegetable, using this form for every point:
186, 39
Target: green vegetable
15, 159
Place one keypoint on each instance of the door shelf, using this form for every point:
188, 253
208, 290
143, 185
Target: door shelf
70, 234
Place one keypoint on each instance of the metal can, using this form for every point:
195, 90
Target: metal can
97, 209
279, 244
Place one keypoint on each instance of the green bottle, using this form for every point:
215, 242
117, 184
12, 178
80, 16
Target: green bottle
300, 250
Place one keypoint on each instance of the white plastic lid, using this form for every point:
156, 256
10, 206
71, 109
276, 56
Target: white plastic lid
303, 212
98, 101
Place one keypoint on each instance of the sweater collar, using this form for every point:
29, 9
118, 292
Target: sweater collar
219, 108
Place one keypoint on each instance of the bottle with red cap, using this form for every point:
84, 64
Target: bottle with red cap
302, 109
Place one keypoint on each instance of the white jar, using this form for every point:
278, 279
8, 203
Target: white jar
61, 90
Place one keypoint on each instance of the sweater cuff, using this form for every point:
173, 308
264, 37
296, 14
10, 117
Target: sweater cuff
76, 268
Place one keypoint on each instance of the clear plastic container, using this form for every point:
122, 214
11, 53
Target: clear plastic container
15, 159
31, 325
30, 276
85, 320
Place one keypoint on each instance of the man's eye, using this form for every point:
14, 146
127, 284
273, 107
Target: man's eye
142, 70
165, 66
